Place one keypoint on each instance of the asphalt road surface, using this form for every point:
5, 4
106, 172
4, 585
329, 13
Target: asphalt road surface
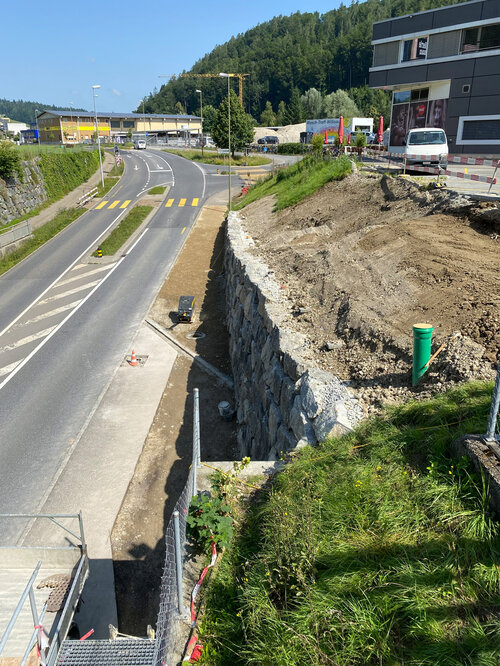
67, 322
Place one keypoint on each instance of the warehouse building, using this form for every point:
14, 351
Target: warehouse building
443, 68
72, 127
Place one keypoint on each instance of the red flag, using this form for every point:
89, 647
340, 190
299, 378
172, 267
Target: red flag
341, 130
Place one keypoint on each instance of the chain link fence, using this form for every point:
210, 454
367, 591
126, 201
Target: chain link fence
172, 610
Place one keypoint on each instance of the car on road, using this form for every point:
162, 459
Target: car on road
268, 139
140, 144
427, 146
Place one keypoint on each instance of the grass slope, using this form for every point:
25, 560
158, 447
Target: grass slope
297, 181
371, 549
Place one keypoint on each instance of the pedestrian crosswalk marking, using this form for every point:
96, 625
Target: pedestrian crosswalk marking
101, 205
114, 204
125, 203
182, 203
169, 203
195, 202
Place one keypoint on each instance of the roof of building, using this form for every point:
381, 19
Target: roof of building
425, 11
139, 116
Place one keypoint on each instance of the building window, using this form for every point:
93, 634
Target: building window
414, 49
417, 95
481, 39
115, 124
481, 130
128, 123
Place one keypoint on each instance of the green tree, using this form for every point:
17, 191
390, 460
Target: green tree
312, 102
209, 118
242, 128
268, 117
338, 104
317, 143
179, 109
280, 116
295, 111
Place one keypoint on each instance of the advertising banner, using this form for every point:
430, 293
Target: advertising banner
328, 125
418, 114
399, 124
436, 115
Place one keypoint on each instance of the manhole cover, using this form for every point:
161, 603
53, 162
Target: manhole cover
197, 335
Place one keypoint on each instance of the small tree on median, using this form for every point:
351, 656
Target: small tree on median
241, 125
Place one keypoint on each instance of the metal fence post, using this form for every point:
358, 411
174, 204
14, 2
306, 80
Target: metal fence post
197, 426
495, 403
196, 419
178, 564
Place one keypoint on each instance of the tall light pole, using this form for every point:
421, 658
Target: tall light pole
228, 76
201, 114
94, 94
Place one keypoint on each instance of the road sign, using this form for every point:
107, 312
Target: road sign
223, 151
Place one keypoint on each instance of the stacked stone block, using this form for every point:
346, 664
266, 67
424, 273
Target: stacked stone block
282, 402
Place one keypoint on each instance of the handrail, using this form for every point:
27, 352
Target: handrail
19, 606
52, 517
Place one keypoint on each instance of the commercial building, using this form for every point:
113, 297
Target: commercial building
71, 127
443, 68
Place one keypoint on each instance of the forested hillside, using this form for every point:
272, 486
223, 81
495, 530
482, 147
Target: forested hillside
290, 54
24, 112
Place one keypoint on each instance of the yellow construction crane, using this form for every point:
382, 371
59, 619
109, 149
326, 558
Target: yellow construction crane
240, 78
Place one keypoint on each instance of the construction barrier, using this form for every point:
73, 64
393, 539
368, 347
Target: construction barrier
399, 157
85, 198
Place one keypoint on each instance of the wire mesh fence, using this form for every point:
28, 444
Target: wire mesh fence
171, 608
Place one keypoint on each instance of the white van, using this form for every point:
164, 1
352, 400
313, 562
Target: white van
140, 144
427, 141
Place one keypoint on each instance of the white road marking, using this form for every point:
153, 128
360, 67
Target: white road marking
65, 271
57, 297
8, 368
26, 340
129, 251
51, 313
59, 326
84, 275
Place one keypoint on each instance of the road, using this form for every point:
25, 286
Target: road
67, 321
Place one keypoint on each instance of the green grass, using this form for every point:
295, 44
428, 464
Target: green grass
372, 549
239, 160
110, 180
124, 230
298, 181
40, 236
157, 190
32, 150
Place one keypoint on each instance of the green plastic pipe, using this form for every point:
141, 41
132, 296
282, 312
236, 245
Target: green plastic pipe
422, 334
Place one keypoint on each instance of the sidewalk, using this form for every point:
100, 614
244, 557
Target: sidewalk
69, 201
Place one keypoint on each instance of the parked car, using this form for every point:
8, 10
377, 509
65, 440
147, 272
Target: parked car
268, 139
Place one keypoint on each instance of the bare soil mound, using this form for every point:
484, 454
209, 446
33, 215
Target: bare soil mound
364, 259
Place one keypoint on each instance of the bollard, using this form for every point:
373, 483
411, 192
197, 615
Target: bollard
99, 251
178, 563
422, 334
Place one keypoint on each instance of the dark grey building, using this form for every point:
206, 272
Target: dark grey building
443, 68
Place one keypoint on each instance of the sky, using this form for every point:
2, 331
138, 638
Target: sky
54, 53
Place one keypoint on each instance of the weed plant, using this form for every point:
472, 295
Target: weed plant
376, 548
124, 230
40, 236
298, 181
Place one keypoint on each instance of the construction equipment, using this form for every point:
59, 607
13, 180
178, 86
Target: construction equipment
240, 78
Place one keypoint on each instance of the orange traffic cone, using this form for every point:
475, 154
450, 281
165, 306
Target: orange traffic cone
133, 359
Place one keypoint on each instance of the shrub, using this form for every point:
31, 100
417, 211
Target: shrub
10, 161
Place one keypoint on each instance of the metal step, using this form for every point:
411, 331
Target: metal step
120, 652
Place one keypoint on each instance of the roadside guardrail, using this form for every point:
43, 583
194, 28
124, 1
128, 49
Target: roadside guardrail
15, 233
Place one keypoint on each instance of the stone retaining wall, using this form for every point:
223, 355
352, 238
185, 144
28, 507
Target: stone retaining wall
18, 198
282, 402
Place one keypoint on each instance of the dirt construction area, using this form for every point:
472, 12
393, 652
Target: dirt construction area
359, 263
365, 258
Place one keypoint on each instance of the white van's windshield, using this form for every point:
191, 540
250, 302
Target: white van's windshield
426, 138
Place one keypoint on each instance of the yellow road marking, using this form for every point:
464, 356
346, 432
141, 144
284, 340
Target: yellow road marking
125, 203
182, 203
101, 205
169, 203
183, 230
195, 202
114, 204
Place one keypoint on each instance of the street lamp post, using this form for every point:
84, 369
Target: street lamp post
228, 76
201, 114
94, 94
